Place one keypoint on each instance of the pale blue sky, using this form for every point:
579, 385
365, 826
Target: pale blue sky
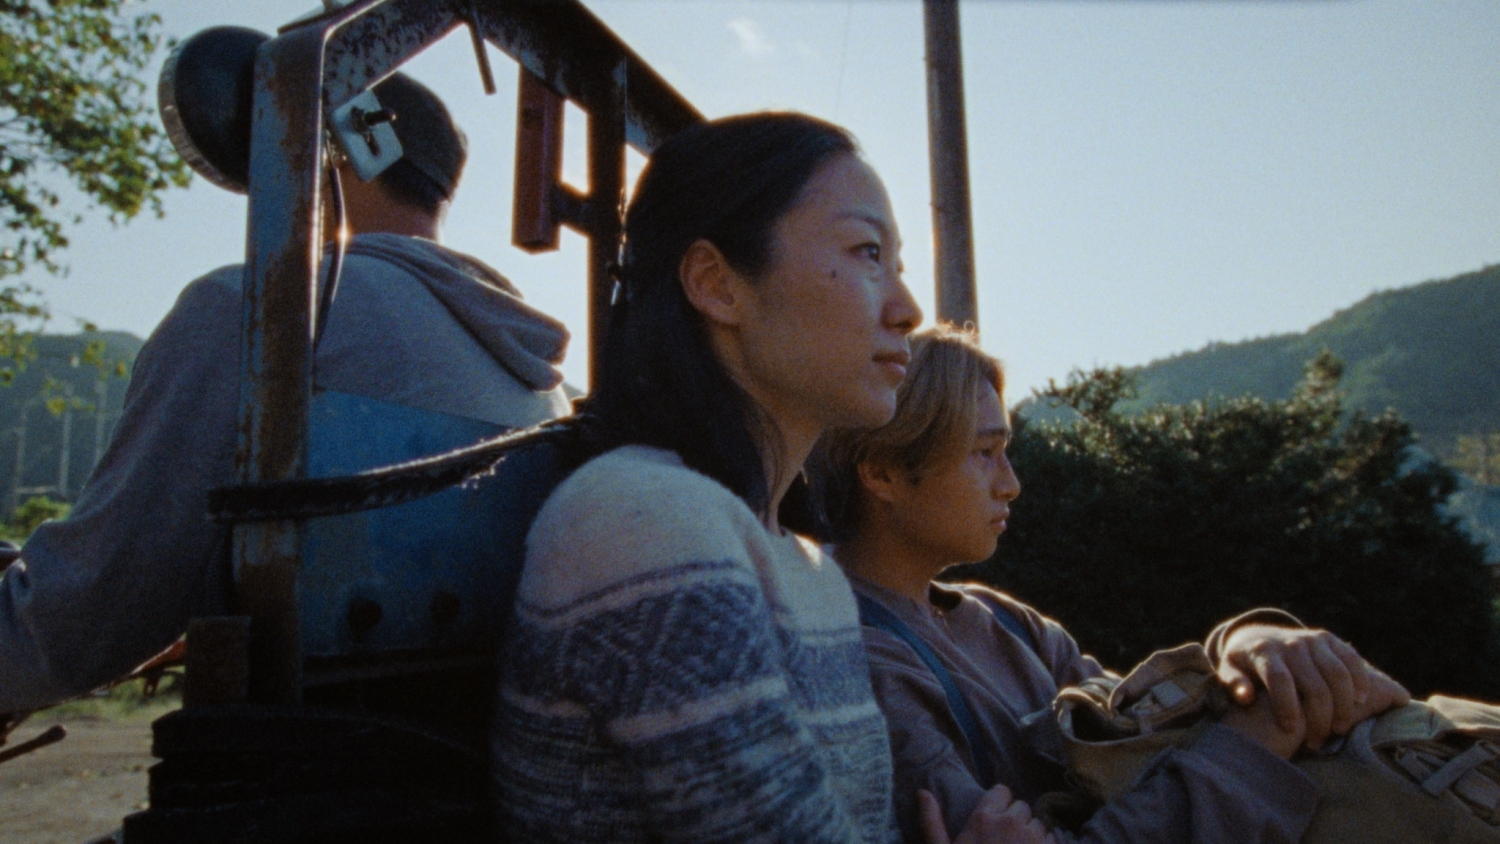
1147, 176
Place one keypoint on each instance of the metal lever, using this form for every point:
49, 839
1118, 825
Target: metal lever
480, 53
53, 735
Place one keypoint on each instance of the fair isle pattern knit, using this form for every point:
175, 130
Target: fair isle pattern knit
675, 673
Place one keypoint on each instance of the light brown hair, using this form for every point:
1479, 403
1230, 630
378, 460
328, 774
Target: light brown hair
937, 409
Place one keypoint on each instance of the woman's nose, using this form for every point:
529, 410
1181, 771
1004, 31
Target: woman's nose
902, 311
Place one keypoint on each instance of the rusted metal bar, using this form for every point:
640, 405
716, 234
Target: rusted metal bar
566, 46
539, 144
284, 242
374, 39
559, 41
948, 153
605, 208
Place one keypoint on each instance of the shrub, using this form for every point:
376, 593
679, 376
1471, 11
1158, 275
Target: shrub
33, 512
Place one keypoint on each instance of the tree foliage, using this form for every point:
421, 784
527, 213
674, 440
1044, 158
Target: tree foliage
32, 512
73, 110
1140, 531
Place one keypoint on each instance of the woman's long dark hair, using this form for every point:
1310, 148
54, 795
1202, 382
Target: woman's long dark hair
726, 182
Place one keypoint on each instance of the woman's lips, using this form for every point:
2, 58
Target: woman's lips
894, 362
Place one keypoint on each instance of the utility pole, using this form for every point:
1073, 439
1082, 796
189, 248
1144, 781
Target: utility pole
62, 454
15, 477
948, 154
101, 393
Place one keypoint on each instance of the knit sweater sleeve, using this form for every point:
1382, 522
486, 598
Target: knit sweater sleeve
645, 694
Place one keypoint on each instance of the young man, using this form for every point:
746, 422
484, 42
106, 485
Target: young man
932, 488
413, 323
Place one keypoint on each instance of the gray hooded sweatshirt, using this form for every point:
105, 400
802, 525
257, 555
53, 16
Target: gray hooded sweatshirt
97, 594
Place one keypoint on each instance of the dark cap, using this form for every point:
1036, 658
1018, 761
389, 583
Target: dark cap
430, 141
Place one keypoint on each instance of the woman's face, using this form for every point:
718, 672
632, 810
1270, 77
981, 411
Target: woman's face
956, 511
823, 342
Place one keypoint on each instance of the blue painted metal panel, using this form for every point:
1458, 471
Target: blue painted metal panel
436, 573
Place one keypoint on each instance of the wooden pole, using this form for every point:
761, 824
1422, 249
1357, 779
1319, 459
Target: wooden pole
948, 152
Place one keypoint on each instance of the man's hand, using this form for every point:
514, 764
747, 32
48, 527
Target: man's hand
997, 819
1317, 683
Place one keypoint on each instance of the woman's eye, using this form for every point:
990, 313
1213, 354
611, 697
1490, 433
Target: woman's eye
870, 251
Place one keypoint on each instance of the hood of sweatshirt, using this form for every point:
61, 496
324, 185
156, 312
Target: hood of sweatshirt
524, 340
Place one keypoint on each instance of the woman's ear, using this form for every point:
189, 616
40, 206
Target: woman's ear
879, 481
711, 285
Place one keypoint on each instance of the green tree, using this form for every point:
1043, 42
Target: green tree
1142, 531
73, 110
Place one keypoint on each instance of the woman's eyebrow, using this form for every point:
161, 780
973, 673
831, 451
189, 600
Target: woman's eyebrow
866, 217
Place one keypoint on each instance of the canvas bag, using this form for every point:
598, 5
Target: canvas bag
1425, 772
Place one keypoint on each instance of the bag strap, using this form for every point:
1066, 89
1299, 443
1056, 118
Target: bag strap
1008, 620
873, 614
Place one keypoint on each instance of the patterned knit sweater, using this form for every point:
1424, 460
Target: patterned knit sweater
676, 673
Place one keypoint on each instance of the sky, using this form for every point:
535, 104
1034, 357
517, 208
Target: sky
1147, 177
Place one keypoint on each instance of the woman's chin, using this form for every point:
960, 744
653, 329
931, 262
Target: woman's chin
871, 412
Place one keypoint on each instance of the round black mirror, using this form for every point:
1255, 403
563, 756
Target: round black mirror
205, 95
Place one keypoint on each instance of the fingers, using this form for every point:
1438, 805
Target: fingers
1386, 693
933, 828
1359, 671
993, 804
1239, 684
999, 817
1312, 692
1348, 703
1281, 688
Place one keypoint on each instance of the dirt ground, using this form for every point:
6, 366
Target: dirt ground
78, 789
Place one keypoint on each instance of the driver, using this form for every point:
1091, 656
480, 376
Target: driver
414, 323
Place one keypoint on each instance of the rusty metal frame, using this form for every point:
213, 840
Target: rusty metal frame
318, 64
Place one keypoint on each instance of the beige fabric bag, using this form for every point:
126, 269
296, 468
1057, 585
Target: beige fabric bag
1427, 772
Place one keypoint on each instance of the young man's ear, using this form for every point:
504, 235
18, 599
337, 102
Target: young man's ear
880, 481
711, 285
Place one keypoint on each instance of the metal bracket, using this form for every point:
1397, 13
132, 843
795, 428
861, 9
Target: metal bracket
363, 130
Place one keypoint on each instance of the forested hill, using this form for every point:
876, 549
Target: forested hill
1431, 351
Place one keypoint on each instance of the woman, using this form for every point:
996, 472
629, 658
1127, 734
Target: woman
680, 667
933, 488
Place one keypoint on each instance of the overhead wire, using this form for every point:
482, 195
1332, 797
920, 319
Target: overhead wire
838, 97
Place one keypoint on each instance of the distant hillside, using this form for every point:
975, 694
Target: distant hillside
31, 431
1431, 351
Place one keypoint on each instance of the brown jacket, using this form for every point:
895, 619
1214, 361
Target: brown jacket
1223, 789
